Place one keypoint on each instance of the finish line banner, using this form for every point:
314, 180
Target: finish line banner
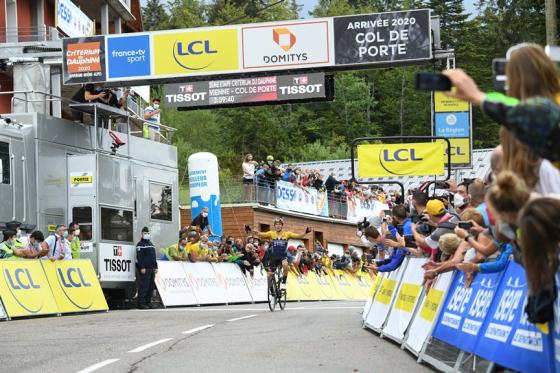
412, 159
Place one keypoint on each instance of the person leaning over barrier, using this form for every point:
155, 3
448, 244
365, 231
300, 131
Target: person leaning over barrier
178, 252
8, 250
147, 266
34, 249
56, 244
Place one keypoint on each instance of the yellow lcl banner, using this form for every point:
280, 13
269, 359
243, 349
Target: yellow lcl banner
412, 159
41, 287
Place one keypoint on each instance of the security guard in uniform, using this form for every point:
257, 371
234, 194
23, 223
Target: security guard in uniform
147, 267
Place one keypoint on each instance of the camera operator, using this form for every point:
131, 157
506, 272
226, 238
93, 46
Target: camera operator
438, 219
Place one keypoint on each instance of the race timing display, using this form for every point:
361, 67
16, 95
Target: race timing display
334, 43
236, 92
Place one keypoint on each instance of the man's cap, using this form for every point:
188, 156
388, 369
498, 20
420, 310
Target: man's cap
435, 207
145, 229
291, 248
269, 158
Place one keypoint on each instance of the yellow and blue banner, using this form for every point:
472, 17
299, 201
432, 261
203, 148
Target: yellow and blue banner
412, 159
75, 286
25, 290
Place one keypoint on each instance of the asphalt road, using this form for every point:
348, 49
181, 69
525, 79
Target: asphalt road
306, 337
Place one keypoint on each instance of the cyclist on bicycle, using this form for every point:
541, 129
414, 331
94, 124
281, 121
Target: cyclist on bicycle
278, 250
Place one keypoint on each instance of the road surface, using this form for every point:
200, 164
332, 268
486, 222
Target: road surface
306, 337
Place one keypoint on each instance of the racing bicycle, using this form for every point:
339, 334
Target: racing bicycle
276, 295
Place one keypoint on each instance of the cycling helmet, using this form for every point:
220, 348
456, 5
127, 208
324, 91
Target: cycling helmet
279, 220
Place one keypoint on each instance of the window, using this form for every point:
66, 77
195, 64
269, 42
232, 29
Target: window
4, 163
161, 203
83, 216
116, 225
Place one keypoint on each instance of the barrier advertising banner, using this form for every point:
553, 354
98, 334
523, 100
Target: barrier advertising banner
287, 44
233, 282
173, 285
358, 209
83, 60
465, 309
257, 284
293, 198
384, 298
507, 338
383, 37
412, 159
3, 315
373, 290
407, 298
234, 92
423, 324
24, 289
326, 286
74, 285
206, 287
345, 286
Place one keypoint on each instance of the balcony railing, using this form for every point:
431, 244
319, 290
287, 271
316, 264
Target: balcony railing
28, 34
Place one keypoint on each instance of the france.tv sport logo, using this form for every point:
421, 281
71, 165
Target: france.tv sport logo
128, 56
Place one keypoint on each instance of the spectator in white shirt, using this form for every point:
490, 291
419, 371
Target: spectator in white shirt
57, 244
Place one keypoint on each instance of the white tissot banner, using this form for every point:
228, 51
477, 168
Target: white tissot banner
257, 285
384, 298
408, 295
232, 280
173, 285
423, 323
205, 284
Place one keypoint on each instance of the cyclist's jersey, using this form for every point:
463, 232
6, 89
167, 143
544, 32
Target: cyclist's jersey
278, 249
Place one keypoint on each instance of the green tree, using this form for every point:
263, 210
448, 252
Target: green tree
154, 16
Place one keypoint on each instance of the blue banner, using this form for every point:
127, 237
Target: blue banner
452, 124
556, 333
507, 337
465, 309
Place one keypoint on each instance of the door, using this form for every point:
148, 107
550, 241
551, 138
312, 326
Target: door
82, 196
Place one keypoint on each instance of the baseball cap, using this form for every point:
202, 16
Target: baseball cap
435, 207
291, 248
269, 158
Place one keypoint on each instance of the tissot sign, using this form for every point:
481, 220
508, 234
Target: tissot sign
335, 43
232, 92
382, 37
286, 45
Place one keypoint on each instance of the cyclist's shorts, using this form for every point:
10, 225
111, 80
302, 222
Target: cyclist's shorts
274, 262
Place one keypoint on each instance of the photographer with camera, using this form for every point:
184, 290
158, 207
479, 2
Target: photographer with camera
428, 231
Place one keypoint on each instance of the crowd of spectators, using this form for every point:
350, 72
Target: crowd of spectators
260, 179
63, 244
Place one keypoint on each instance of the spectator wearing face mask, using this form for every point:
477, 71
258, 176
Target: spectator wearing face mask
56, 244
147, 267
201, 222
179, 252
74, 239
152, 115
34, 249
8, 250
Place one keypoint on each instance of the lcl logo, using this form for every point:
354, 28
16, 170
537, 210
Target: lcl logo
400, 155
454, 151
185, 53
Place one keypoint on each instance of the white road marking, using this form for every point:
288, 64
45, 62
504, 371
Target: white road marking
146, 346
198, 329
94, 367
322, 308
242, 318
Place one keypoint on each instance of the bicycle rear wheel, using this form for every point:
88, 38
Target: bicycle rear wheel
271, 293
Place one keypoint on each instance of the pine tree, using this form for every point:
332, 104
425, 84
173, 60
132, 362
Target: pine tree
153, 16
